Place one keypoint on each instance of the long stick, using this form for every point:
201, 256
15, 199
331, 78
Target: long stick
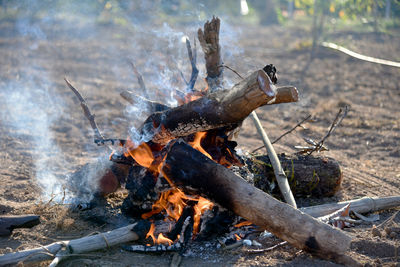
362, 205
359, 56
86, 111
125, 234
279, 173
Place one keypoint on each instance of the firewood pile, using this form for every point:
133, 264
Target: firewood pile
186, 181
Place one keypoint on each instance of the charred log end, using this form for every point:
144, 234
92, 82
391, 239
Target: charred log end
265, 83
141, 228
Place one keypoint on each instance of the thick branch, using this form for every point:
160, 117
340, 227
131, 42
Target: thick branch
78, 246
219, 109
10, 222
209, 41
229, 190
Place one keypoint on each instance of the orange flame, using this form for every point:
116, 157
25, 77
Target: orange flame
163, 240
172, 201
201, 206
160, 239
151, 232
196, 143
141, 154
237, 237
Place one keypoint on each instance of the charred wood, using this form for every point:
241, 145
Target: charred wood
232, 192
308, 176
219, 109
10, 222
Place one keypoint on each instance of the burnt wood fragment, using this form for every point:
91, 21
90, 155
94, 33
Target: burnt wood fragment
10, 222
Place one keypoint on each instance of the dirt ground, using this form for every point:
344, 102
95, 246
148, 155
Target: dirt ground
37, 106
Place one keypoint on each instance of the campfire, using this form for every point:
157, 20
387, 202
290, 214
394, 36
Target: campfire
182, 159
184, 176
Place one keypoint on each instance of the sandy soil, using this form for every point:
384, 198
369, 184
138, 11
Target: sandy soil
37, 106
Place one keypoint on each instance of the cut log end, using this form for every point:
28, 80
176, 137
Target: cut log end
285, 94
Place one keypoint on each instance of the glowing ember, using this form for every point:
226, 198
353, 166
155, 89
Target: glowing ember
237, 237
172, 201
245, 223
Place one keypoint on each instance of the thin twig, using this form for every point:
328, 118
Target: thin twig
140, 80
335, 123
286, 133
231, 69
263, 250
193, 60
87, 113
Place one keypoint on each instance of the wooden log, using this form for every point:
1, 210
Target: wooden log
362, 205
209, 41
78, 246
192, 171
219, 109
308, 176
10, 222
285, 94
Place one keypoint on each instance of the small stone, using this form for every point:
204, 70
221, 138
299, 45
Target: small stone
375, 231
392, 234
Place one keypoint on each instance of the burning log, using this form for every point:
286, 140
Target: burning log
223, 108
78, 246
10, 222
307, 175
230, 191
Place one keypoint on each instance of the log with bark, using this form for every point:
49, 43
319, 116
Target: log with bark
223, 108
226, 188
308, 176
10, 222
